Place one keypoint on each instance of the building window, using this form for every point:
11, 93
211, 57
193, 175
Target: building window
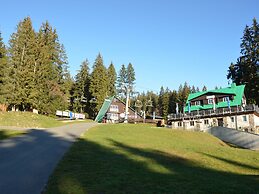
225, 99
206, 122
244, 118
191, 123
197, 103
210, 101
179, 124
114, 108
112, 116
232, 119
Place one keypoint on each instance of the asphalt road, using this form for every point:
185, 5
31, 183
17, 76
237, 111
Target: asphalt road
27, 161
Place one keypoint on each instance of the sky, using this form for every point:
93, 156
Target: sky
167, 41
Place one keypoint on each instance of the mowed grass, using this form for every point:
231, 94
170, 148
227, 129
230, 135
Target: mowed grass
127, 158
5, 133
30, 120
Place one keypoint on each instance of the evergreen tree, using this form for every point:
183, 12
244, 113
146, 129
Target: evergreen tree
163, 101
204, 89
80, 96
193, 89
121, 81
98, 87
5, 82
131, 78
152, 100
23, 57
197, 89
53, 80
130, 75
183, 93
246, 69
173, 99
111, 72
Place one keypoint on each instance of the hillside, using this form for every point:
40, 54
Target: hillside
28, 119
145, 159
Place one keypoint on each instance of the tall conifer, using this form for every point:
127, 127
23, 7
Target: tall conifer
98, 87
111, 80
22, 58
5, 82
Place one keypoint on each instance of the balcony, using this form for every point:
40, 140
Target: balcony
217, 112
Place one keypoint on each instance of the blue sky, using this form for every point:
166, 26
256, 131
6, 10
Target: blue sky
167, 41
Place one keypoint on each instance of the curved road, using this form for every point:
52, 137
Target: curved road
27, 161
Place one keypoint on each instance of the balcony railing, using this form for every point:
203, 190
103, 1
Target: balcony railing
211, 112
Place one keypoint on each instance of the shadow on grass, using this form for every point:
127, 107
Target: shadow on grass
93, 168
234, 163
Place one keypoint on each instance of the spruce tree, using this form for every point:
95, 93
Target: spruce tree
130, 75
51, 75
5, 81
173, 99
193, 89
163, 102
80, 92
183, 92
111, 72
121, 81
204, 89
246, 69
22, 58
98, 87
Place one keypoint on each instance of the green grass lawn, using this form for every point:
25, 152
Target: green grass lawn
28, 119
144, 159
4, 133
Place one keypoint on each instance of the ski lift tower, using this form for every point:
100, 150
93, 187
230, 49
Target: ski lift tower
128, 88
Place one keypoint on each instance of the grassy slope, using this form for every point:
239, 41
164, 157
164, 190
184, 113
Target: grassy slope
4, 134
142, 159
28, 119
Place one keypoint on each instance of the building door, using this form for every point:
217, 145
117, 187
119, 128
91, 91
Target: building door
220, 122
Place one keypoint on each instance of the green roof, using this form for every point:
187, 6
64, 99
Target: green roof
237, 91
103, 110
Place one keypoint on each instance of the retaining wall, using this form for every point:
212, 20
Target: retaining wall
239, 138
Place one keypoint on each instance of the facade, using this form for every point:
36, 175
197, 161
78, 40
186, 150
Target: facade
113, 110
224, 107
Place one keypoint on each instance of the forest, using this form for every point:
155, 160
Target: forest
34, 74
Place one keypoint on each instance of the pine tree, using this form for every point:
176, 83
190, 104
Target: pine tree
98, 87
5, 82
111, 72
22, 58
246, 69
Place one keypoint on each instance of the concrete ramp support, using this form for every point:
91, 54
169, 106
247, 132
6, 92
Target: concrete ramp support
239, 138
